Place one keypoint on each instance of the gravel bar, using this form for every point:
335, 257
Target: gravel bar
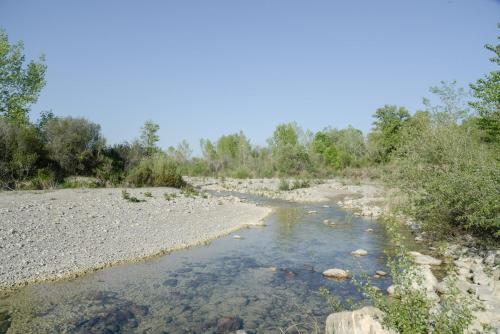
49, 235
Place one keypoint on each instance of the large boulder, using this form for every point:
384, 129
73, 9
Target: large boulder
366, 320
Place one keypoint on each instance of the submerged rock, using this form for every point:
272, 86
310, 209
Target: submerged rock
359, 252
229, 324
336, 273
365, 320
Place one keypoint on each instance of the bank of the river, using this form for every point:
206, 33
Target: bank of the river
365, 199
477, 270
48, 235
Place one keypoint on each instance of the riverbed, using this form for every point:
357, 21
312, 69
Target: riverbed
266, 281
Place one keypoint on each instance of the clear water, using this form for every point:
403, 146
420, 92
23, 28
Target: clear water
267, 282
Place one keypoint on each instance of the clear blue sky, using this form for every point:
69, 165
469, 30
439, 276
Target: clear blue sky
206, 68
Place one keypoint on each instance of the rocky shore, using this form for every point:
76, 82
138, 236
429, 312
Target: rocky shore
477, 272
48, 235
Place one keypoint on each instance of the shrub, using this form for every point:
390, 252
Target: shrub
450, 179
44, 179
157, 170
284, 185
20, 150
242, 173
73, 143
189, 191
126, 196
169, 196
298, 184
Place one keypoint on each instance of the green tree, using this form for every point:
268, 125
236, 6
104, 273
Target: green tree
21, 149
74, 143
386, 135
452, 107
487, 93
290, 156
149, 137
323, 145
20, 83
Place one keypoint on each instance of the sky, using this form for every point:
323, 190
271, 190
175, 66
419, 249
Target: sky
201, 69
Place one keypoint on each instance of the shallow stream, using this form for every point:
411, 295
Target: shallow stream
266, 282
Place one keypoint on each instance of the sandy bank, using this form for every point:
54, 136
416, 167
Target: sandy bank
46, 235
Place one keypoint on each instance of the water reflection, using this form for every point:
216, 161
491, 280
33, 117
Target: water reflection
265, 282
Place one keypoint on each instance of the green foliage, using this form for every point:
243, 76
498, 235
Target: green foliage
299, 184
450, 179
73, 143
157, 170
284, 185
149, 137
334, 304
487, 93
126, 196
44, 179
189, 191
20, 150
412, 311
290, 156
20, 84
386, 135
340, 148
241, 173
229, 155
169, 196
148, 194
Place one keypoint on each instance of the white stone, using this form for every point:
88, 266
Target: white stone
336, 273
365, 320
424, 259
359, 252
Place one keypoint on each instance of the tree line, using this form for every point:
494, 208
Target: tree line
443, 158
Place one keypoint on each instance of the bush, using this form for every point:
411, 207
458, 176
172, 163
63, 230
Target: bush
451, 180
126, 196
73, 143
157, 170
44, 179
298, 184
242, 173
20, 153
284, 185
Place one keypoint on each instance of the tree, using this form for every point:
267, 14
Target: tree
74, 143
452, 107
289, 154
487, 92
182, 153
20, 152
386, 136
323, 145
149, 137
285, 135
20, 84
